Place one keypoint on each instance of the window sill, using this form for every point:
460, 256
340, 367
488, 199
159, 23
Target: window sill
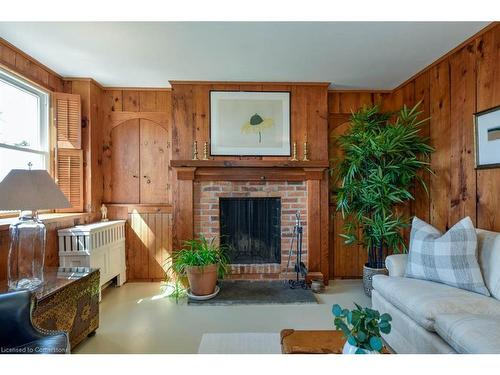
46, 218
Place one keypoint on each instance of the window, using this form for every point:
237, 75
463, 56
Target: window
24, 125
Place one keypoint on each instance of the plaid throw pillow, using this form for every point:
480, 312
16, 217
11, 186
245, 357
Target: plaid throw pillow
449, 258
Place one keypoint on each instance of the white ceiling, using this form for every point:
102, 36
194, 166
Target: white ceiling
374, 55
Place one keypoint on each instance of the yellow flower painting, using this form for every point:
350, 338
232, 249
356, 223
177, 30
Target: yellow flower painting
257, 125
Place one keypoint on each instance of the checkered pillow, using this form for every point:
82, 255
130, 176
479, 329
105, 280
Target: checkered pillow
449, 258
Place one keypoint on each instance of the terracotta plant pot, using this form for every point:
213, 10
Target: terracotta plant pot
202, 280
368, 274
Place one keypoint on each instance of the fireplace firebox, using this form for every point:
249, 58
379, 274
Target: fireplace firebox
251, 229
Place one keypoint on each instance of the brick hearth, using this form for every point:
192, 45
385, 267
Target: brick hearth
293, 196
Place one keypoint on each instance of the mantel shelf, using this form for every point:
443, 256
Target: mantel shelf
248, 164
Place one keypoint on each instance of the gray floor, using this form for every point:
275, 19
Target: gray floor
136, 318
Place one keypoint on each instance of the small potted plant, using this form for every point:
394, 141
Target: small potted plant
203, 262
362, 328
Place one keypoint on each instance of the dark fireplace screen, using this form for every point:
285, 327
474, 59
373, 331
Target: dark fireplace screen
251, 229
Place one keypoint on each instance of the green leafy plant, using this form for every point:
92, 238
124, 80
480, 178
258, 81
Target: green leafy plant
382, 155
198, 252
174, 290
362, 327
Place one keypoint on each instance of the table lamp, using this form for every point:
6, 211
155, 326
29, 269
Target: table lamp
28, 191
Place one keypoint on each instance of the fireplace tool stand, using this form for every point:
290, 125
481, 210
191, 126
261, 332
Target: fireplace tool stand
299, 267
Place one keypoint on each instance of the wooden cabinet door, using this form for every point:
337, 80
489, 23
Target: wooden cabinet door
154, 161
125, 166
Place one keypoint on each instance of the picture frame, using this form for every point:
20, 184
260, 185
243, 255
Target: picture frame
250, 123
487, 138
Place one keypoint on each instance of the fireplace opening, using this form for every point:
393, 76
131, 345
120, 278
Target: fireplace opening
251, 229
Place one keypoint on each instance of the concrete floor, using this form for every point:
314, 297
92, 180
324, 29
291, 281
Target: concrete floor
136, 318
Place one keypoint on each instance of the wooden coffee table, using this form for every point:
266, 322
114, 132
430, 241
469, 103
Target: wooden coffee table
313, 342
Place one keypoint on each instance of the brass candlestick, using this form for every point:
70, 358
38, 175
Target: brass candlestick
306, 151
195, 150
205, 151
294, 152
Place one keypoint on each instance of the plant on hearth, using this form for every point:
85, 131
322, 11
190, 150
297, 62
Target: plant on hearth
362, 328
202, 261
383, 153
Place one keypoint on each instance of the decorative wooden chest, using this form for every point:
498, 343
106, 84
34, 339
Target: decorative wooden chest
69, 301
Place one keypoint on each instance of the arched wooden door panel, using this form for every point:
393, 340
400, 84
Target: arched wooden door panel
139, 162
154, 161
125, 166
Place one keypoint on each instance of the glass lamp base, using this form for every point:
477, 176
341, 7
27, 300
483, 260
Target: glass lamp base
25, 284
26, 252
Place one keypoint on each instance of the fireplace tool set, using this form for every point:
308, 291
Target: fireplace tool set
299, 267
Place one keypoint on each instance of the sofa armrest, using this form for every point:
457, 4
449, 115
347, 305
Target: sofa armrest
396, 264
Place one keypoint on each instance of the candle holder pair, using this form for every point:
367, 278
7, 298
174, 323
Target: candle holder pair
305, 152
205, 151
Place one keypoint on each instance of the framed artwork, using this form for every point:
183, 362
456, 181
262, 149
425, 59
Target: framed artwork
249, 123
487, 138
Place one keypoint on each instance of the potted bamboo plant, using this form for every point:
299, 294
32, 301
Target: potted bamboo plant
382, 155
203, 262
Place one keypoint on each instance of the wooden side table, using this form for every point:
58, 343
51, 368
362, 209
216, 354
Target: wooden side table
67, 301
313, 342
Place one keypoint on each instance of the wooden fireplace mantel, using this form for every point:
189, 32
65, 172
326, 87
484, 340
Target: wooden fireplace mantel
248, 170
250, 163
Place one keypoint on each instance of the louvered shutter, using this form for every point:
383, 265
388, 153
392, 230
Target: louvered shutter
70, 176
67, 111
69, 156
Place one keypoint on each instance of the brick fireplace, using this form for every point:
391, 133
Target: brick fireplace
292, 197
201, 184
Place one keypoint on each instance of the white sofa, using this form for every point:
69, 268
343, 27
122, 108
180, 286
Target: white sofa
429, 317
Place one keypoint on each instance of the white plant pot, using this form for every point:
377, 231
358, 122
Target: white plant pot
351, 349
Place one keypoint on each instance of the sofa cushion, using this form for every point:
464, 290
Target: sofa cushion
424, 300
470, 333
449, 258
489, 259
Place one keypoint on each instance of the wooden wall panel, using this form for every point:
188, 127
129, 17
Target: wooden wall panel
190, 115
153, 141
462, 107
125, 163
488, 96
18, 62
149, 245
440, 140
422, 94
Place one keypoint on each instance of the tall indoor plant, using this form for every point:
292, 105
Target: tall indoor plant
382, 155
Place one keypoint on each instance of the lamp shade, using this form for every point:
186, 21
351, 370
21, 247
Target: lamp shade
25, 189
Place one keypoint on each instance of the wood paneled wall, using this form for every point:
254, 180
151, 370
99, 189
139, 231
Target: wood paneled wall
19, 62
464, 82
190, 106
